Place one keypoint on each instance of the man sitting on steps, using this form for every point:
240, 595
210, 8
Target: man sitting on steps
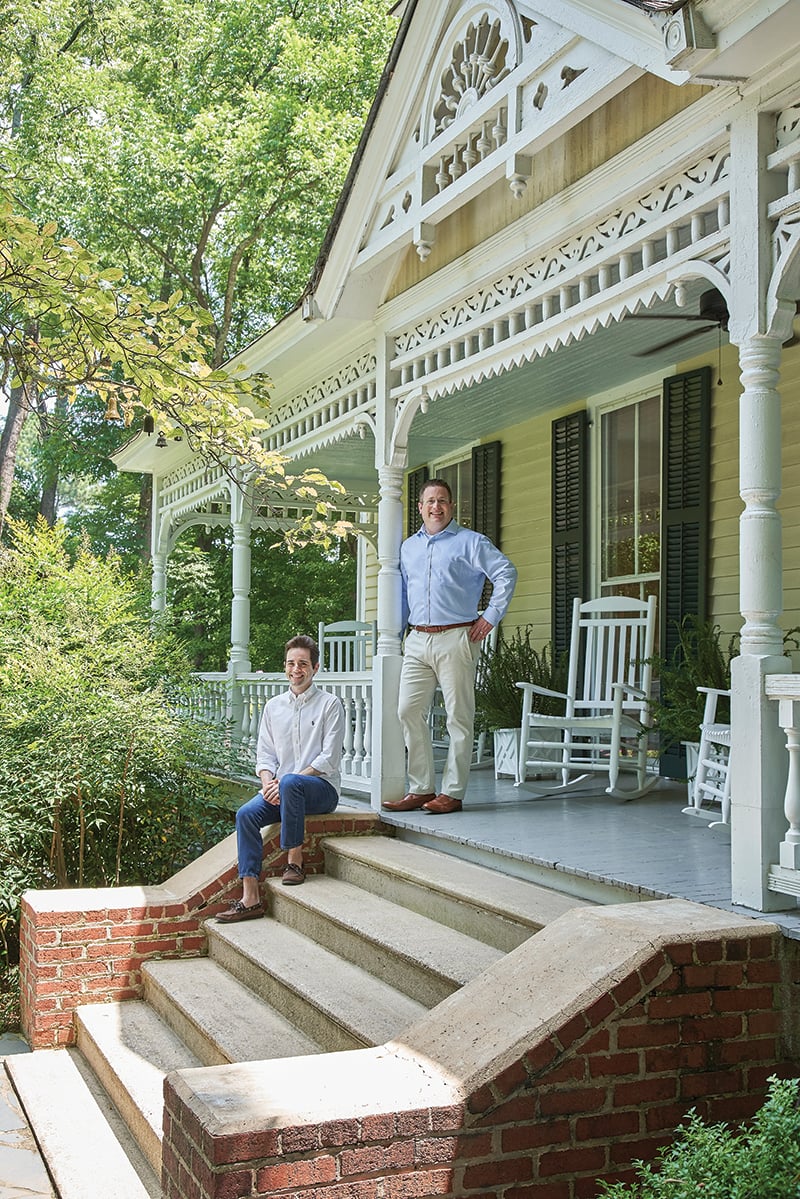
298, 759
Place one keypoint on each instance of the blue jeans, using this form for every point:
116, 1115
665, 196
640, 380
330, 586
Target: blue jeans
301, 795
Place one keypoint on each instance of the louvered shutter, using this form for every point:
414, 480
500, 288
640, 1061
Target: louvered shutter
486, 500
416, 481
686, 441
486, 490
569, 498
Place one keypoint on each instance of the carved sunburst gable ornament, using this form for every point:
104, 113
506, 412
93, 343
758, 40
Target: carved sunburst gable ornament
478, 51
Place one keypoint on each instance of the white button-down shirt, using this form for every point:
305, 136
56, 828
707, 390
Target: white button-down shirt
297, 731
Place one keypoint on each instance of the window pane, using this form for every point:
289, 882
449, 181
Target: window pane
619, 495
649, 460
459, 477
631, 499
464, 504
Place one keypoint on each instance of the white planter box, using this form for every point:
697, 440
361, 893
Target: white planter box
692, 749
506, 752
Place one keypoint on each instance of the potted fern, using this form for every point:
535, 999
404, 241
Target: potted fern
498, 701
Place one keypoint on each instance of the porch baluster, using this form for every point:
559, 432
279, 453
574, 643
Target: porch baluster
347, 751
358, 727
366, 702
784, 877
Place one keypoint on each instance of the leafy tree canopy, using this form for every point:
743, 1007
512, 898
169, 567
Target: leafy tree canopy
193, 149
203, 142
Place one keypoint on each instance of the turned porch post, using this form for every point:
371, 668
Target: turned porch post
389, 768
241, 521
158, 601
758, 752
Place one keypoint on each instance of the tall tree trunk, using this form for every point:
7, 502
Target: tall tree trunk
48, 505
18, 412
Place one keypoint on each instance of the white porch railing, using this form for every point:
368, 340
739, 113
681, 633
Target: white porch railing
784, 875
237, 704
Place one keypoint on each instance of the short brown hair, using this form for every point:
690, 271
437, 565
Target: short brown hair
436, 483
303, 642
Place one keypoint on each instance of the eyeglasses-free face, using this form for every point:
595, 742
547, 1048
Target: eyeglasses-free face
299, 670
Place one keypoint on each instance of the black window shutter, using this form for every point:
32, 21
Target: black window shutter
485, 513
416, 481
569, 500
686, 442
486, 490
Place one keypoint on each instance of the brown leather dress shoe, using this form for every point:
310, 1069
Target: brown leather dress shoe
237, 911
442, 804
409, 803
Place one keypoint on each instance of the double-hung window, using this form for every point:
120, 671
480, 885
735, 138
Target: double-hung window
629, 542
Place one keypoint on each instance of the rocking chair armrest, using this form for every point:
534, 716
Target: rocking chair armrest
635, 692
712, 694
537, 690
621, 689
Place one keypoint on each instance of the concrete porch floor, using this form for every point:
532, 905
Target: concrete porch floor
606, 849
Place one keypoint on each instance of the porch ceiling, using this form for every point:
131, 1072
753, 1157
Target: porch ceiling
601, 361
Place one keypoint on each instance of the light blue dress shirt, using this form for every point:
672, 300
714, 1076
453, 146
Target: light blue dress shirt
444, 574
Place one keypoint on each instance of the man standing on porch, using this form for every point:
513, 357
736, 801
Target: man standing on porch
298, 759
444, 568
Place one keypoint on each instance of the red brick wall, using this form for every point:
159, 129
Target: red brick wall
88, 946
695, 1026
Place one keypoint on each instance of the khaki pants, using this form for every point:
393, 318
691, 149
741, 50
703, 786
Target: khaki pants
449, 659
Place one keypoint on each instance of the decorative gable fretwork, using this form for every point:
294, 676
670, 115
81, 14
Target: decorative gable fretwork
785, 211
502, 85
600, 271
194, 485
320, 415
477, 62
325, 412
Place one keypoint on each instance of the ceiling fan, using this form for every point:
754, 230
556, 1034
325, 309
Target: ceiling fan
713, 314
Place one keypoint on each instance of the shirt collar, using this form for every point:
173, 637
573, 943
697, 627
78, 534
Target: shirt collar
448, 531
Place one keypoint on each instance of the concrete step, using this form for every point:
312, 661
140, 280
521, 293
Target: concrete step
218, 1017
336, 1003
87, 1150
130, 1049
412, 953
483, 903
349, 960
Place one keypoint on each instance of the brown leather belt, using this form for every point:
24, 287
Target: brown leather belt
441, 628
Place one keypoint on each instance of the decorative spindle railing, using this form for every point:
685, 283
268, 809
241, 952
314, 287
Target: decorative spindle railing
237, 704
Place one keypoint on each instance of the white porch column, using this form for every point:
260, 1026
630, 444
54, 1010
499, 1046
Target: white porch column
241, 519
388, 750
389, 768
158, 601
758, 754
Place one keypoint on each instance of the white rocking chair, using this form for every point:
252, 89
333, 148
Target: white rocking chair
606, 718
712, 780
345, 645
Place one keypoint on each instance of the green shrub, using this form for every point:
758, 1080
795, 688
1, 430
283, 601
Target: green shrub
759, 1160
498, 701
100, 781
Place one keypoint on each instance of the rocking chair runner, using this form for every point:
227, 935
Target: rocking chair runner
606, 705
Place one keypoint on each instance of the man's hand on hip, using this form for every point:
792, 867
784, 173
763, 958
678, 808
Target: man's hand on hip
480, 629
